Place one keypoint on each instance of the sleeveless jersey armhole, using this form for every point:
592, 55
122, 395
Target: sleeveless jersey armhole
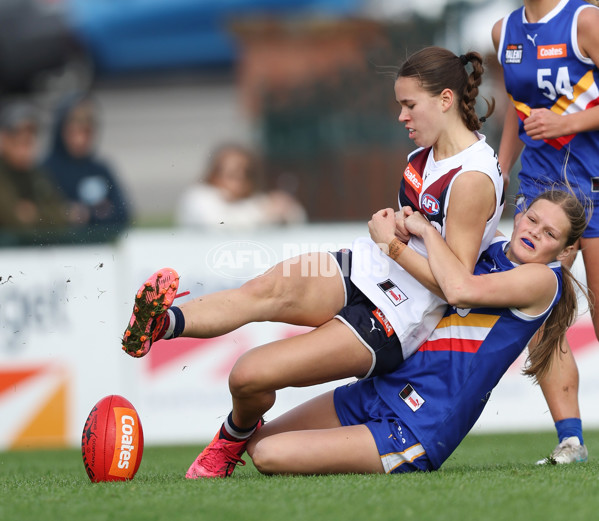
574, 36
502, 39
525, 316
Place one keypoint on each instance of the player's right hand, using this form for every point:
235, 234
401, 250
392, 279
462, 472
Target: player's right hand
401, 232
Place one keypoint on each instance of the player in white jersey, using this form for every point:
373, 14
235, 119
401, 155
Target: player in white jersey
427, 186
549, 52
462, 190
413, 419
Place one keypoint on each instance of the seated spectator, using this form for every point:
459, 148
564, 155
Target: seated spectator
88, 182
29, 203
230, 195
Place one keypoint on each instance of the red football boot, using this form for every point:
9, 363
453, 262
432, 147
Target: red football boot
218, 460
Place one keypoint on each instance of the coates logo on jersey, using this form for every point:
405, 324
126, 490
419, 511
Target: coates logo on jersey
413, 178
430, 205
552, 51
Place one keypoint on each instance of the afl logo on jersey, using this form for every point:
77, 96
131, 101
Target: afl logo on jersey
430, 205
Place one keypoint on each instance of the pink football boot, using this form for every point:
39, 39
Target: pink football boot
152, 300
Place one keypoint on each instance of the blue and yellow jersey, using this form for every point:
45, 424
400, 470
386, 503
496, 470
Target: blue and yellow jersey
441, 390
543, 67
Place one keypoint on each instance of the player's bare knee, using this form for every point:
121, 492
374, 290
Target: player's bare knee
244, 379
264, 457
240, 382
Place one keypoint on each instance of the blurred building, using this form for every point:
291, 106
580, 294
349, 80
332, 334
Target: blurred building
306, 81
320, 92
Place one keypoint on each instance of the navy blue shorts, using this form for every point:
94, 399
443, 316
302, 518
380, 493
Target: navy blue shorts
368, 323
358, 403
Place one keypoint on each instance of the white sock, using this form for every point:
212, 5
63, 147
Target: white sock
171, 325
240, 435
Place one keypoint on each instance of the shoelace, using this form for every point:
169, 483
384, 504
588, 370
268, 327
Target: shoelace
210, 459
563, 449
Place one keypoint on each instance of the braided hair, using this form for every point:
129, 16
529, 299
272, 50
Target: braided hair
437, 69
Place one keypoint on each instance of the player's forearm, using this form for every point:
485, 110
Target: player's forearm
510, 145
415, 264
583, 121
451, 275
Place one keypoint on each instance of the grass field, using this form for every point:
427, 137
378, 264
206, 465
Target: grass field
489, 477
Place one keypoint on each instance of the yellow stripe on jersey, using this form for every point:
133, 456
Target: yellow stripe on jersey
471, 319
584, 91
520, 107
457, 333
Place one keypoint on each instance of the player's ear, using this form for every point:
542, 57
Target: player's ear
565, 253
446, 97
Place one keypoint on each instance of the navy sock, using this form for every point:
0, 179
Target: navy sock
179, 321
569, 427
232, 432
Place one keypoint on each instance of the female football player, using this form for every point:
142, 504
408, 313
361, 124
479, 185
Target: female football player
549, 52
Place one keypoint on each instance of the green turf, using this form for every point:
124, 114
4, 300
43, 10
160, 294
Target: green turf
489, 477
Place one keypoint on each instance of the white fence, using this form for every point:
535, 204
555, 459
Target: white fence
64, 309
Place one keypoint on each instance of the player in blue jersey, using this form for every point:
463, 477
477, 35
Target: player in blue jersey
549, 52
413, 419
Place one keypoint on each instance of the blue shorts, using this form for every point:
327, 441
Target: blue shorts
358, 403
368, 323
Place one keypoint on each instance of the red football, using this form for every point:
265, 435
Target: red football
113, 440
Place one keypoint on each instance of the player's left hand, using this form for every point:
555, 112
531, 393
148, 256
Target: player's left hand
417, 224
544, 124
400, 228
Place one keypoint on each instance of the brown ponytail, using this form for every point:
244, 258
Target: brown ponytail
470, 92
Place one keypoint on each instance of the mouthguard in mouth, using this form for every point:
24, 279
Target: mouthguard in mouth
528, 243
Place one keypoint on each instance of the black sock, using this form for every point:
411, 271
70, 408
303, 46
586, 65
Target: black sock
179, 321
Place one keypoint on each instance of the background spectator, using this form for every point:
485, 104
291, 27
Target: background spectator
230, 194
29, 203
88, 182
